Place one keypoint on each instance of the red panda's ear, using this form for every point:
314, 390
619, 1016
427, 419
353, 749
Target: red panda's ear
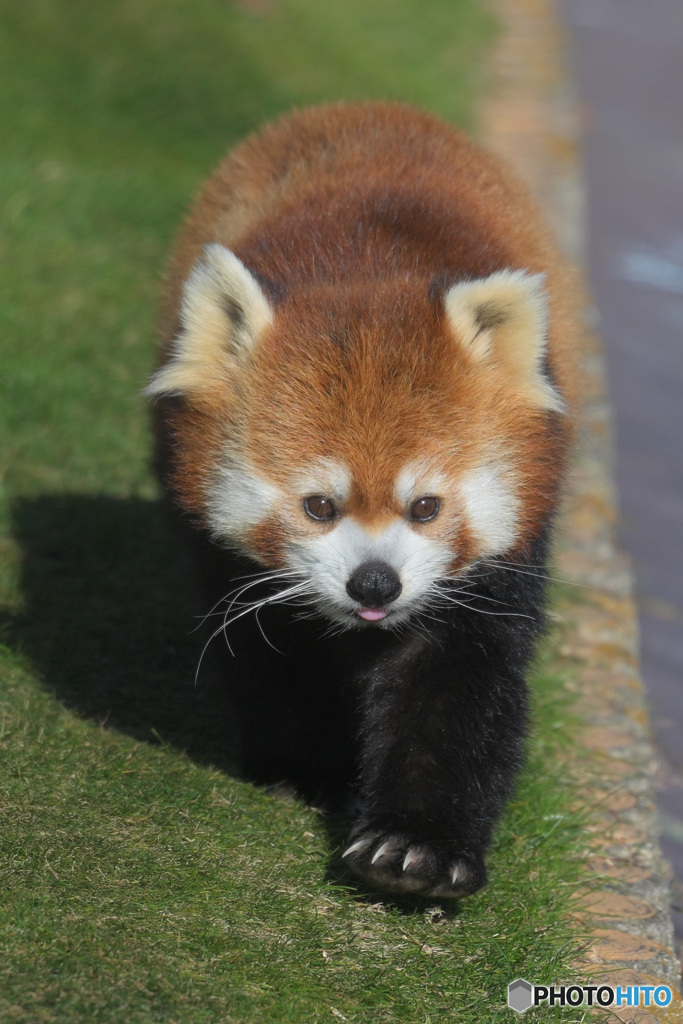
223, 312
503, 319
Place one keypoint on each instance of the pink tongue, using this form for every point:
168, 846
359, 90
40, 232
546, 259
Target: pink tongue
372, 614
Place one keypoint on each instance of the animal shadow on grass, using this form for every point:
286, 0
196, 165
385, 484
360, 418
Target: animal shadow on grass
109, 608
108, 611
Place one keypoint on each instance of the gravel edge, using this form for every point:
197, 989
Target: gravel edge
530, 116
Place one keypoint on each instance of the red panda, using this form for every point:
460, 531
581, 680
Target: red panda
364, 403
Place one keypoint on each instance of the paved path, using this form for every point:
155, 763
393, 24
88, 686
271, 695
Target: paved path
628, 57
530, 118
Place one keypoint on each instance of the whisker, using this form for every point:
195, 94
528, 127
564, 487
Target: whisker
514, 567
415, 627
266, 572
482, 611
281, 597
442, 591
263, 634
336, 629
445, 593
426, 615
266, 576
248, 586
273, 598
213, 636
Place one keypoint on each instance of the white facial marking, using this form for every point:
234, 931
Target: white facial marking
240, 499
327, 476
491, 506
416, 480
329, 559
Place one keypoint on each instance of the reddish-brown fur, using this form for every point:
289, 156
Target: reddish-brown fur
354, 321
356, 219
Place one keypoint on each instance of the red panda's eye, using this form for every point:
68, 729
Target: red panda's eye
320, 508
424, 509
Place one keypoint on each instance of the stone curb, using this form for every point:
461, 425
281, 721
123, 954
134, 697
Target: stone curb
530, 118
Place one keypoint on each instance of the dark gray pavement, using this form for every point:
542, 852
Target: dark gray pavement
628, 59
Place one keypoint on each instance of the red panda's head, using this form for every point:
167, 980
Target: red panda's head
372, 440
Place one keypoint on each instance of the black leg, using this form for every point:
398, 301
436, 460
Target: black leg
444, 722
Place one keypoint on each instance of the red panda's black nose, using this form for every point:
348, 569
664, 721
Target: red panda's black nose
374, 584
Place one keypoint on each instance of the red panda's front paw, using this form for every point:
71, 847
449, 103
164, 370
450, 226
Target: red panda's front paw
401, 862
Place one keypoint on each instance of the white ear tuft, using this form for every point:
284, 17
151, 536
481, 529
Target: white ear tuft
222, 314
503, 319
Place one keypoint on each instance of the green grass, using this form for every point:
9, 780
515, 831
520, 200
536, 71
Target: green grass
140, 881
